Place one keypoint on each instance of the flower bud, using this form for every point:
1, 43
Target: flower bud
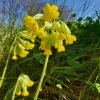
24, 34
64, 28
38, 16
56, 26
47, 25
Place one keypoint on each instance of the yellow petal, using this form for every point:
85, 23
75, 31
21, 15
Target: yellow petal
47, 52
46, 8
61, 48
62, 36
41, 33
32, 46
23, 53
18, 93
73, 37
25, 93
30, 83
42, 46
14, 57
28, 18
69, 41
54, 7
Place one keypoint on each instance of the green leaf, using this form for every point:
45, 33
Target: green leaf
98, 87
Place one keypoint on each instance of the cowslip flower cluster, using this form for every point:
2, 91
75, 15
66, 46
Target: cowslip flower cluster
22, 44
22, 83
51, 31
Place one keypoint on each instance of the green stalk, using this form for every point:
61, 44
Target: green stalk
5, 68
13, 95
41, 79
6, 65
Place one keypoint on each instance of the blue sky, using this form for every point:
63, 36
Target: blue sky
82, 8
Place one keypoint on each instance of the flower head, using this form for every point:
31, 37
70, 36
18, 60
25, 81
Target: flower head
31, 25
29, 22
23, 82
24, 42
50, 32
50, 12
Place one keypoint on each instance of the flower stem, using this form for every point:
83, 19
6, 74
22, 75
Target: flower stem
5, 68
6, 65
13, 95
42, 77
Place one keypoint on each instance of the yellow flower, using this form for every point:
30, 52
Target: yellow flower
28, 18
32, 39
70, 38
18, 93
35, 29
73, 37
23, 83
47, 52
42, 46
30, 83
31, 24
61, 48
50, 12
41, 33
23, 53
29, 45
14, 57
61, 36
25, 93
58, 43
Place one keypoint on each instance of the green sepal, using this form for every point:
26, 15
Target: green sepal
56, 26
64, 28
38, 16
24, 34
